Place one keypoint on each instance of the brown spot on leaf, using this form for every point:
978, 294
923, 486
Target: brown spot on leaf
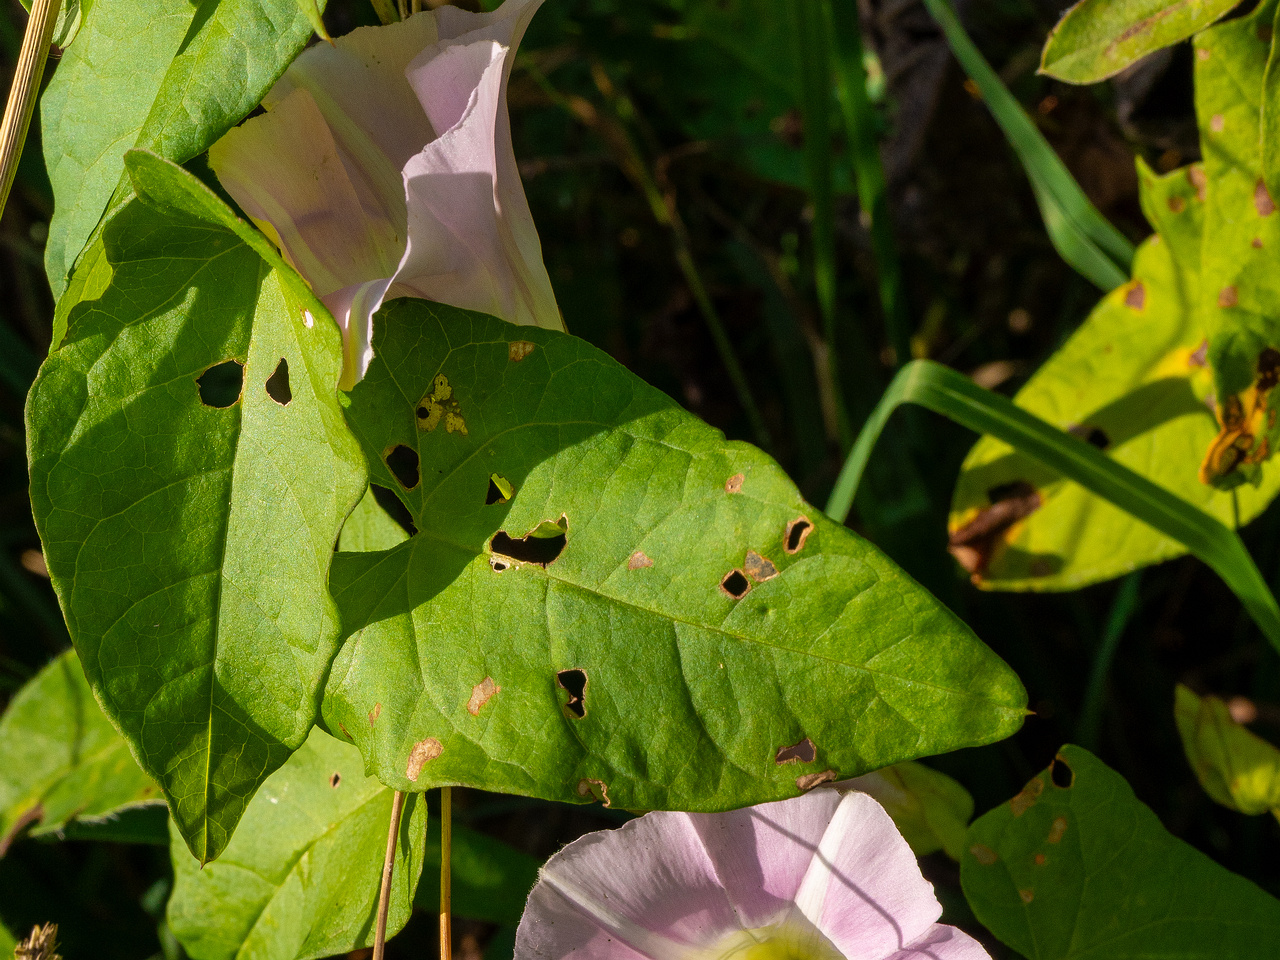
1202, 54
974, 544
735, 585
638, 561
1177, 204
588, 787
1256, 243
1199, 356
1217, 123
1057, 829
734, 483
1228, 297
517, 350
1026, 799
423, 752
375, 713
811, 780
345, 732
1026, 896
759, 568
1135, 298
1262, 199
798, 531
983, 854
438, 404
804, 752
481, 694
1040, 859
335, 779
1199, 180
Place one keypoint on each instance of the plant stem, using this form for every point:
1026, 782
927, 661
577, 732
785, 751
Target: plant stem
663, 207
388, 867
954, 395
22, 95
446, 873
1122, 610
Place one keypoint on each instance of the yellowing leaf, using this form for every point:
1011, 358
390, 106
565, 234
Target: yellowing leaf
1237, 768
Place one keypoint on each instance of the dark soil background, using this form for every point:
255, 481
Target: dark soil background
988, 295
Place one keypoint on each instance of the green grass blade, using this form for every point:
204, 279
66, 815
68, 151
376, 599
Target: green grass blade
1082, 235
860, 127
954, 395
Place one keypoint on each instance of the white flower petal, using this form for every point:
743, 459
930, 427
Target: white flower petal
863, 888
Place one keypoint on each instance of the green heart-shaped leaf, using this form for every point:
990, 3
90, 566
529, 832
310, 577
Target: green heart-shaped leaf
188, 513
698, 638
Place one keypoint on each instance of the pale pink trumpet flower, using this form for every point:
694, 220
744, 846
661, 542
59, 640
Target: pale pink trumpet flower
822, 876
383, 167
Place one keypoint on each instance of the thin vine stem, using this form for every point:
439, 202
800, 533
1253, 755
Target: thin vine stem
446, 873
388, 868
22, 94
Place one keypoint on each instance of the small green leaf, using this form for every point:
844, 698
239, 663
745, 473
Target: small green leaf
491, 881
7, 941
301, 877
694, 618
188, 524
1076, 867
167, 75
61, 760
1238, 769
1097, 39
930, 810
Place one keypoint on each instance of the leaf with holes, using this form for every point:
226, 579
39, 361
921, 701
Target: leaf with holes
300, 879
649, 617
1237, 768
188, 516
1096, 39
60, 758
167, 75
1075, 866
1136, 380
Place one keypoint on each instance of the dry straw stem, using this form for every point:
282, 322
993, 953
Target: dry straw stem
22, 95
388, 866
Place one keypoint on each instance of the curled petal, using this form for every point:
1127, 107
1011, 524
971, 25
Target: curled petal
863, 887
284, 170
941, 942
472, 241
649, 884
762, 853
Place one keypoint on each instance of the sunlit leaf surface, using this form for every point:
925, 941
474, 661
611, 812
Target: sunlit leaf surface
60, 758
651, 616
1237, 768
1075, 866
189, 514
301, 877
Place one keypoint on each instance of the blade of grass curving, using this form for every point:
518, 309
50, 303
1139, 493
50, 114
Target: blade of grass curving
954, 395
1081, 235
873, 195
1123, 608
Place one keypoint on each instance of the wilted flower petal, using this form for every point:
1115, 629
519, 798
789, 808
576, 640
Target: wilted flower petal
383, 167
822, 876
